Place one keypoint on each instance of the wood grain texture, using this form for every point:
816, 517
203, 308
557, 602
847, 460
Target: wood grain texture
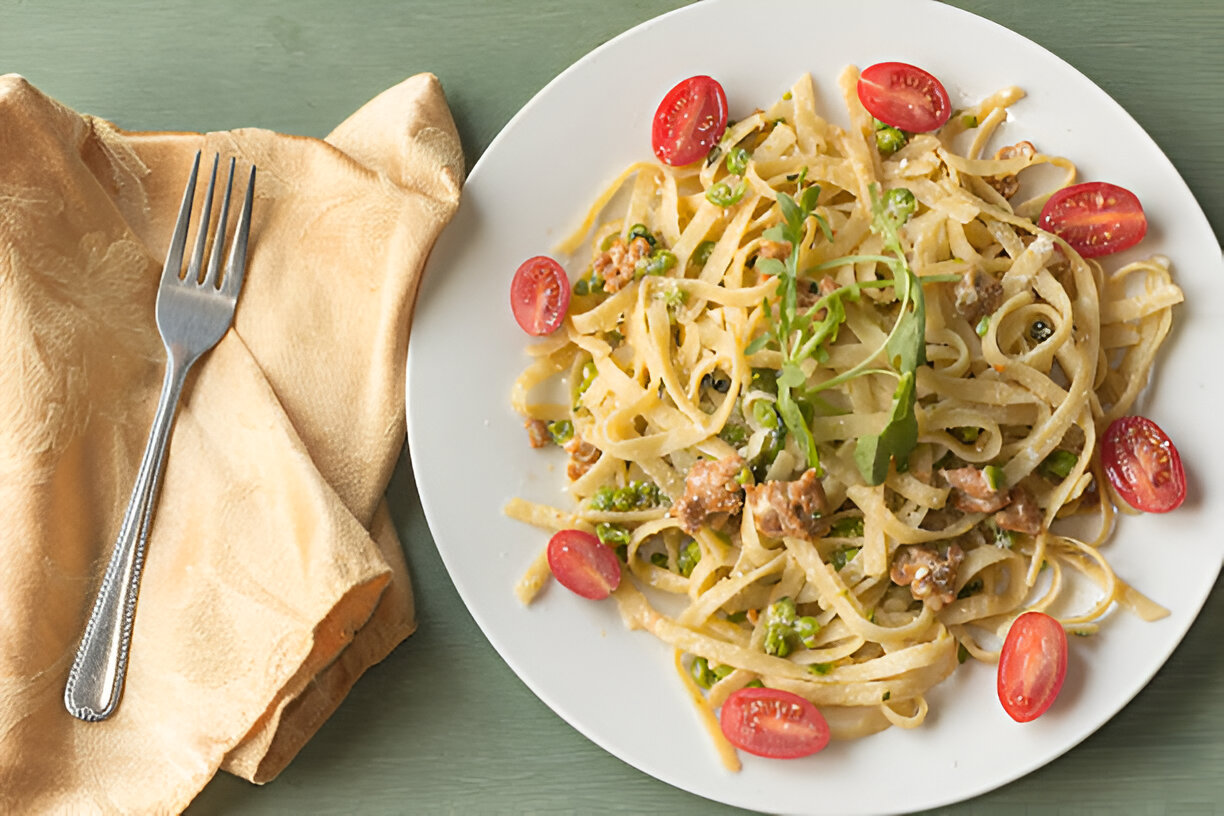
443, 725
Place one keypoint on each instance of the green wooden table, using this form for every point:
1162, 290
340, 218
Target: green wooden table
443, 726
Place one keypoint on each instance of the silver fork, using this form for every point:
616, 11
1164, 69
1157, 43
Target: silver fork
192, 316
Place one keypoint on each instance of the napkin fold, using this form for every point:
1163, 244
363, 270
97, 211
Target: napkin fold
274, 576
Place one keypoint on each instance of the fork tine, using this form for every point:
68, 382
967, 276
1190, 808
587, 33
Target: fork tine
214, 258
178, 240
197, 257
235, 266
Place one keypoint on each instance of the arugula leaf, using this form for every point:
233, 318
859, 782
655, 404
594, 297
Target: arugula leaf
873, 452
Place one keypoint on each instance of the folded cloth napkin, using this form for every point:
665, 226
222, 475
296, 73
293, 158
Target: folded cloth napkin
274, 576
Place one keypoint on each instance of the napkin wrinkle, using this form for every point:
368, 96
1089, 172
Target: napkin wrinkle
274, 576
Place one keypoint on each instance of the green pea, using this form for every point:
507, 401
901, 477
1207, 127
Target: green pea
561, 431
724, 195
737, 161
900, 203
782, 611
656, 263
701, 255
700, 671
889, 140
642, 231
611, 534
738, 617
734, 434
843, 556
688, 558
777, 640
582, 286
765, 414
806, 629
1059, 464
754, 684
967, 434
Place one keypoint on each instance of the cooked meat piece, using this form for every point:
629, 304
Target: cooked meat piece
710, 490
1008, 185
537, 433
582, 455
930, 576
791, 509
1022, 515
616, 264
972, 493
774, 249
977, 295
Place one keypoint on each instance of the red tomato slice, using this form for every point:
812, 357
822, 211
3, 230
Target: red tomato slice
539, 295
1095, 218
583, 565
773, 723
690, 120
1143, 465
1032, 665
904, 96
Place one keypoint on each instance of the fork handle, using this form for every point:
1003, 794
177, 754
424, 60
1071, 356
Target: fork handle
95, 682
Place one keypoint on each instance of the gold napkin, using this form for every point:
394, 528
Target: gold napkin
274, 577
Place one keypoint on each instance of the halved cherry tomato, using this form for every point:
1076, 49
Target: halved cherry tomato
773, 723
690, 120
539, 295
583, 565
1143, 465
1032, 665
1095, 218
904, 96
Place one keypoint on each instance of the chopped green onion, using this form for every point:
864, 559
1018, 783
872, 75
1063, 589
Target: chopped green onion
765, 413
1002, 538
582, 286
848, 527
589, 373
738, 617
642, 231
722, 670
723, 194
962, 654
820, 668
737, 161
982, 326
886, 696
969, 120
970, 588
754, 684
659, 560
765, 379
614, 338
609, 533
1040, 331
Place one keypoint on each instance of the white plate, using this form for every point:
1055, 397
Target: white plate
470, 452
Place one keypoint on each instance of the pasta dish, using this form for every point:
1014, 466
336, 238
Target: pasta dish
835, 399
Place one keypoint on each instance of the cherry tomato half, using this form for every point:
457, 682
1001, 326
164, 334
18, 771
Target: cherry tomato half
539, 295
904, 96
1032, 665
690, 120
1095, 218
1143, 465
773, 723
583, 565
